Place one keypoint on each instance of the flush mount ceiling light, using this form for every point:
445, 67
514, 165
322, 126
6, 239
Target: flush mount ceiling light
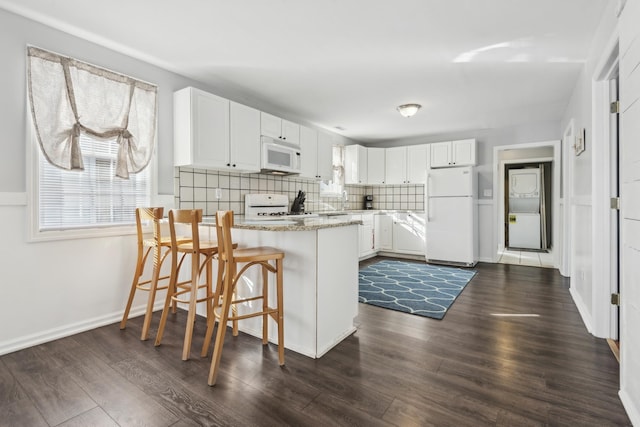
408, 110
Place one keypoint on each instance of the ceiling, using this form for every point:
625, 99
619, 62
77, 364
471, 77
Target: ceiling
472, 64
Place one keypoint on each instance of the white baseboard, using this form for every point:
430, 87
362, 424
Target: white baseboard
71, 329
489, 260
632, 408
582, 309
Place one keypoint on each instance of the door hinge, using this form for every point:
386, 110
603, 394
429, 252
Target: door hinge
615, 299
614, 107
615, 203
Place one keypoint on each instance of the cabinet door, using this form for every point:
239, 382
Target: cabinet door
383, 238
355, 164
244, 138
363, 173
375, 165
270, 125
366, 240
290, 132
440, 154
396, 169
201, 123
308, 151
464, 152
325, 156
417, 164
408, 234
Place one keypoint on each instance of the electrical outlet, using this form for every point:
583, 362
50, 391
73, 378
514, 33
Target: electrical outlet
218, 193
488, 193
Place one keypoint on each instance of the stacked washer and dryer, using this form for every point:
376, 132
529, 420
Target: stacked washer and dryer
524, 208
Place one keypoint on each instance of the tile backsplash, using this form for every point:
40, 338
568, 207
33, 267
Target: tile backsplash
196, 188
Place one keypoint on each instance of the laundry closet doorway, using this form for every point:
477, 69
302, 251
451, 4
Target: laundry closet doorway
521, 156
528, 206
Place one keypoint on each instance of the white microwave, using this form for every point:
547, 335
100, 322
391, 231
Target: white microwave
279, 158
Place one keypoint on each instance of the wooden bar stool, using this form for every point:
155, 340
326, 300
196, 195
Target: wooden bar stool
161, 247
202, 253
225, 291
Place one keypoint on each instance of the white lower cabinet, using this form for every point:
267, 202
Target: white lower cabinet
383, 232
367, 236
400, 232
409, 233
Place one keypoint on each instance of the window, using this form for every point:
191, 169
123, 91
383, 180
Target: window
91, 198
93, 138
334, 187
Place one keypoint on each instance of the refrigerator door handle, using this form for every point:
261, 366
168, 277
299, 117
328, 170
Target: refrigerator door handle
427, 197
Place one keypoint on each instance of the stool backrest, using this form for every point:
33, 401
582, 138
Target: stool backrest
149, 214
192, 217
224, 222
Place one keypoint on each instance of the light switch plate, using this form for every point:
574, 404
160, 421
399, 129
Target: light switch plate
488, 193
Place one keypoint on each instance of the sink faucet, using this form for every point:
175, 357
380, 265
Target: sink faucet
345, 199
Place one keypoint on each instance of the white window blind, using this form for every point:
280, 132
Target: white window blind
91, 198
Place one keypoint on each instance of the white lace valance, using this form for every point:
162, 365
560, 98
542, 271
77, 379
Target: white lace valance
68, 97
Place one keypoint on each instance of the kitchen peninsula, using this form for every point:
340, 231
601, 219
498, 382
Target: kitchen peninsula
320, 279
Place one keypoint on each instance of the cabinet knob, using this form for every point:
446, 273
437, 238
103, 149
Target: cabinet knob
234, 165
284, 137
228, 164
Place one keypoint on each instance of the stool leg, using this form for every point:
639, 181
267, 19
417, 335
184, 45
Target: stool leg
222, 323
193, 296
134, 286
265, 305
153, 286
279, 276
211, 321
171, 291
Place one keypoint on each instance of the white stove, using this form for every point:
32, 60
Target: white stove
270, 207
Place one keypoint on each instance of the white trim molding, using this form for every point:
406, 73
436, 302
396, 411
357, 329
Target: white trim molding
13, 199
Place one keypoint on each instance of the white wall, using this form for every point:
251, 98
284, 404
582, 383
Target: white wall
54, 289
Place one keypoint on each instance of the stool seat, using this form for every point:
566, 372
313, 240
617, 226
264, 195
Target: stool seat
260, 253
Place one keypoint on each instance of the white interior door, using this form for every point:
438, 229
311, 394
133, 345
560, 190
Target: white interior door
615, 214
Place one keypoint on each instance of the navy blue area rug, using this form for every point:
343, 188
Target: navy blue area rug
422, 289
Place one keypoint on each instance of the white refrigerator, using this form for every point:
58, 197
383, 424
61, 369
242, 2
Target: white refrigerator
451, 217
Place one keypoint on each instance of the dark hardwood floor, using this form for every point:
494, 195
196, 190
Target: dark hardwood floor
470, 369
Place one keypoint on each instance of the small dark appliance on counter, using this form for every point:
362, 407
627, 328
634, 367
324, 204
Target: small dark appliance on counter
298, 203
368, 202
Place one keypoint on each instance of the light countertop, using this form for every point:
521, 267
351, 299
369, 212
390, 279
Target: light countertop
303, 224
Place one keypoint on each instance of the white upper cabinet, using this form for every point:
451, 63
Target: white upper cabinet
355, 164
244, 138
407, 165
308, 152
396, 165
375, 165
278, 128
453, 153
417, 163
207, 136
325, 156
317, 154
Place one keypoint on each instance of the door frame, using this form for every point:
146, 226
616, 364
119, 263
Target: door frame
498, 191
605, 315
568, 139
